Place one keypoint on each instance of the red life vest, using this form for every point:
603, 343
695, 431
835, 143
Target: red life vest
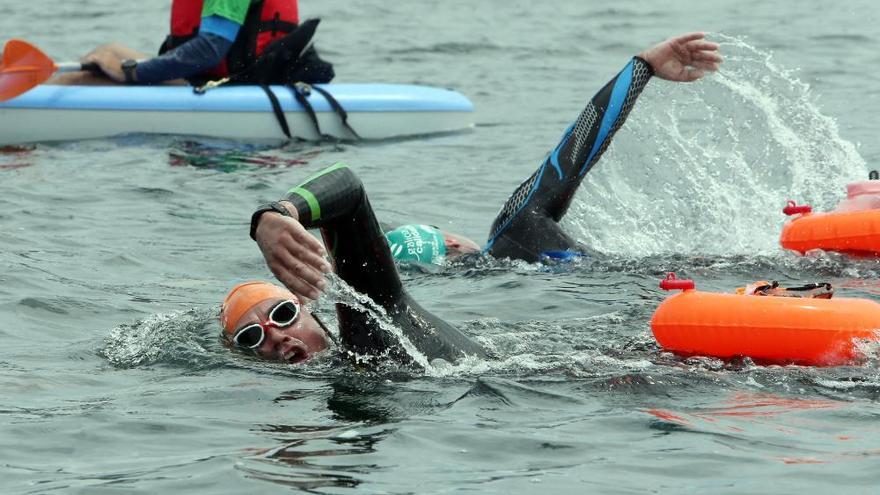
267, 20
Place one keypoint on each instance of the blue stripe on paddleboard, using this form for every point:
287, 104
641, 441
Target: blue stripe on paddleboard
352, 97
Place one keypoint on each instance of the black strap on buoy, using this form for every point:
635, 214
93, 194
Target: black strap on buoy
813, 286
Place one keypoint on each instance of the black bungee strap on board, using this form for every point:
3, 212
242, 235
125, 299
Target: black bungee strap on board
276, 109
301, 92
337, 108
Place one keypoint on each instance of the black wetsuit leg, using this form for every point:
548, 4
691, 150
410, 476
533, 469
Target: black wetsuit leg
527, 225
335, 201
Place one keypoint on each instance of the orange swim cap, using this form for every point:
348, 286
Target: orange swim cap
245, 296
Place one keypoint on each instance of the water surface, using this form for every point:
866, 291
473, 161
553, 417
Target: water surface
114, 256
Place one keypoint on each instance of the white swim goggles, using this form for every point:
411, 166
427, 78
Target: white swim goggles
281, 315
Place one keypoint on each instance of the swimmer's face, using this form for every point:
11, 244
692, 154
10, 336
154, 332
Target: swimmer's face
458, 245
294, 344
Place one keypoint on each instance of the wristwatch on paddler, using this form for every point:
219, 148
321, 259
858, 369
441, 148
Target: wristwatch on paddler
129, 66
275, 206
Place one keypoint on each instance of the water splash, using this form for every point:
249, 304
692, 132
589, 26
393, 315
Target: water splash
338, 291
166, 337
706, 168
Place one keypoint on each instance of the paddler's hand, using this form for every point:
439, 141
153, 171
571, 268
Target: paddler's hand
108, 60
294, 256
684, 58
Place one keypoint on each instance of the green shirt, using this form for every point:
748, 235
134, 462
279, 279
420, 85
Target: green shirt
234, 10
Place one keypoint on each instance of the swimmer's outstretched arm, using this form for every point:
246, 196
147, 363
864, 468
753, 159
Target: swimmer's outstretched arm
334, 200
525, 227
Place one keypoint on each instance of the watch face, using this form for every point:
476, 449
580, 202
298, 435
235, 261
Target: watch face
129, 64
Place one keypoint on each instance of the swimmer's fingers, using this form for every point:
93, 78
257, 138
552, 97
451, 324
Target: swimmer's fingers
691, 75
706, 54
302, 236
706, 58
301, 279
687, 37
293, 255
276, 229
683, 58
298, 265
713, 66
699, 64
701, 46
314, 266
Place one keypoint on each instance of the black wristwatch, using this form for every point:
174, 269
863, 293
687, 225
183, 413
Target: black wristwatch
273, 206
129, 65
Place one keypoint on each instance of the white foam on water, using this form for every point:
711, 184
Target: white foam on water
153, 338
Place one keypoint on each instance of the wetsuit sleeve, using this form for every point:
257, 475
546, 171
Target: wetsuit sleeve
528, 223
199, 54
334, 200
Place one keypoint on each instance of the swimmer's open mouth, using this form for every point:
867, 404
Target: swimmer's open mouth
296, 353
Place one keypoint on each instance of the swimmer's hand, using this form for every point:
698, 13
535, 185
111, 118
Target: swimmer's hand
684, 58
294, 256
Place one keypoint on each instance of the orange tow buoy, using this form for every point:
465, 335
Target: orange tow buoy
770, 330
855, 233
853, 227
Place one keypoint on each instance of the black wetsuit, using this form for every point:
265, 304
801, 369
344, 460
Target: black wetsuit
527, 226
335, 201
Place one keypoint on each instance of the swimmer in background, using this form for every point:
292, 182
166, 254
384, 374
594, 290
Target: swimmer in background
527, 227
334, 201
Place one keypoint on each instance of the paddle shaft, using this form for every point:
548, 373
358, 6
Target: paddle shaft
76, 66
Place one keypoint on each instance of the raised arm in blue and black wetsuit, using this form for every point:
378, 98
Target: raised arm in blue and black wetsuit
527, 226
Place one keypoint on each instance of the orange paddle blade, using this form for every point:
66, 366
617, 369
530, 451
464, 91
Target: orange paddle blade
23, 66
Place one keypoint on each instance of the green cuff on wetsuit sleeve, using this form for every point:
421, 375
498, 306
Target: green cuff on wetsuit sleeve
302, 191
310, 199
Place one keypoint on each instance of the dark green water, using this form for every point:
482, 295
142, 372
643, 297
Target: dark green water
115, 254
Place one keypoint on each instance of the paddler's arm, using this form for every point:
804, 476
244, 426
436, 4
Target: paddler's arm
205, 51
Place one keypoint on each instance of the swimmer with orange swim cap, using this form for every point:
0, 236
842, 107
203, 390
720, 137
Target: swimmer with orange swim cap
271, 322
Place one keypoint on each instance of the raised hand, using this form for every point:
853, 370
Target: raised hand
684, 58
294, 256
